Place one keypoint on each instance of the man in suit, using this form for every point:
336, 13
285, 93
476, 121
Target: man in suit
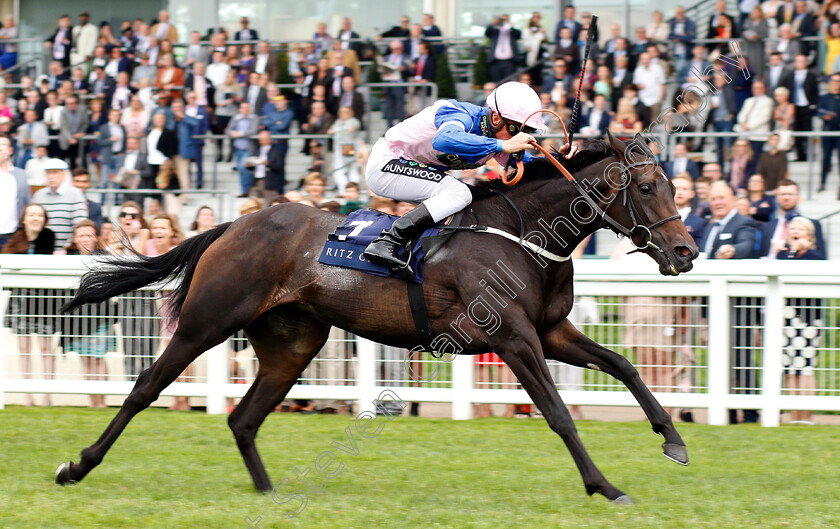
396, 69
681, 164
774, 233
786, 13
597, 119
722, 115
787, 45
111, 143
135, 171
80, 84
411, 44
682, 33
424, 71
775, 73
568, 22
804, 24
266, 62
30, 134
621, 49
81, 181
163, 30
715, 21
199, 112
431, 31
203, 89
102, 85
683, 196
400, 31
241, 128
254, 94
804, 94
185, 128
245, 33
349, 38
279, 121
756, 116
503, 52
58, 124
144, 70
828, 110
730, 235
78, 118
560, 79
350, 97
56, 75
84, 38
119, 94
196, 52
60, 43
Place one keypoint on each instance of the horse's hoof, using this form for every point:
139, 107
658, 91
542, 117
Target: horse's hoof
624, 499
676, 453
62, 474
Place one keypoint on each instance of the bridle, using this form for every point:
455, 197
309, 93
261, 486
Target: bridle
638, 231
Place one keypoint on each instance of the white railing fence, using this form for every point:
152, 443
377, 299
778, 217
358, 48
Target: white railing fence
721, 337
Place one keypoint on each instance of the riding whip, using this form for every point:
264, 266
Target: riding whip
590, 33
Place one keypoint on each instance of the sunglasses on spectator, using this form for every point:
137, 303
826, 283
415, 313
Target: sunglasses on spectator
124, 214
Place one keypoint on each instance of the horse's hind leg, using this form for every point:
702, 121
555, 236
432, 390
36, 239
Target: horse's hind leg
192, 338
285, 341
566, 344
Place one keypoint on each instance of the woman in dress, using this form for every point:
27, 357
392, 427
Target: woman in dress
783, 117
90, 334
135, 119
803, 323
754, 39
29, 310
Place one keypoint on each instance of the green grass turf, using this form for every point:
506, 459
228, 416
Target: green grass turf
179, 470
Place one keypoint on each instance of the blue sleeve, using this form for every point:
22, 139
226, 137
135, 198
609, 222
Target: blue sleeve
453, 139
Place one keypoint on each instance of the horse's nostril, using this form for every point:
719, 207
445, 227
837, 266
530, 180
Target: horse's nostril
683, 251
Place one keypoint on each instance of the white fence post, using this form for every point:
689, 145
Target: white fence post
217, 378
462, 386
771, 369
2, 350
718, 355
366, 374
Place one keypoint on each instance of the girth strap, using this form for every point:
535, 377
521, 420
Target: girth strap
421, 317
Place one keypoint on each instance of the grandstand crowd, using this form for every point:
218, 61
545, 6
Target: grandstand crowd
130, 108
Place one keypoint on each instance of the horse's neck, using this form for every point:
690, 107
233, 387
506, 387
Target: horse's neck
553, 218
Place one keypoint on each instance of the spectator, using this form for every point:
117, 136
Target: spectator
245, 33
350, 40
185, 128
195, 110
723, 114
101, 85
597, 119
135, 172
135, 119
345, 131
119, 95
682, 33
78, 82
650, 82
773, 164
170, 77
400, 31
161, 149
424, 71
594, 50
756, 115
322, 41
626, 123
395, 68
733, 236
681, 164
803, 320
701, 190
533, 38
804, 24
30, 134
802, 85
718, 23
65, 205
351, 197
78, 119
504, 50
432, 33
566, 48
742, 164
144, 70
29, 312
775, 232
832, 44
217, 71
15, 195
313, 185
246, 61
762, 204
163, 30
754, 34
196, 52
621, 77
91, 332
266, 62
828, 110
61, 42
117, 63
227, 97
279, 121
81, 181
254, 94
569, 23
111, 142
56, 76
205, 220
559, 83
241, 128
9, 31
683, 196
259, 162
36, 177
203, 89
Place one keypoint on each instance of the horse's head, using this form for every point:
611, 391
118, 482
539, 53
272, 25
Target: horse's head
644, 205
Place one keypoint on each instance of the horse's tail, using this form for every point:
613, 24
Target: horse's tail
120, 275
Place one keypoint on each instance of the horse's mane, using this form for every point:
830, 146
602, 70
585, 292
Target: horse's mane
542, 169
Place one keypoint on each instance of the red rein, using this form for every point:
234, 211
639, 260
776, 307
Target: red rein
520, 168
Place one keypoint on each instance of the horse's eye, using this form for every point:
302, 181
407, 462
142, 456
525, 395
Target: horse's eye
646, 189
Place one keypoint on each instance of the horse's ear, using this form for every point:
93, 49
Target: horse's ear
617, 145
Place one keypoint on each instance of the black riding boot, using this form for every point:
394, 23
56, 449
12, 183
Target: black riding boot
384, 249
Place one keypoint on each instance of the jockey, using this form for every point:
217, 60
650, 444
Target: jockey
410, 162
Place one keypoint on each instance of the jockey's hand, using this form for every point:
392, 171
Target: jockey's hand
520, 142
567, 149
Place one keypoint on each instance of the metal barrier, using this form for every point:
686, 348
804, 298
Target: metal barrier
726, 332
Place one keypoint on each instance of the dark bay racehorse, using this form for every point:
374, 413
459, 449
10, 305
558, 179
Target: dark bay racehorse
261, 273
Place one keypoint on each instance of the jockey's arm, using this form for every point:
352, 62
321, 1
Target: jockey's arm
453, 138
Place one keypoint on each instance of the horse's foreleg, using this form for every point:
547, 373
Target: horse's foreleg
524, 356
285, 342
568, 345
177, 356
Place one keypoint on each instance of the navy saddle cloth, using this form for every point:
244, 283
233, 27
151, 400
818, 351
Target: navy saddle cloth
345, 248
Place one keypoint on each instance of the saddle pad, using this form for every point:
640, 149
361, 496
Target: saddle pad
346, 246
